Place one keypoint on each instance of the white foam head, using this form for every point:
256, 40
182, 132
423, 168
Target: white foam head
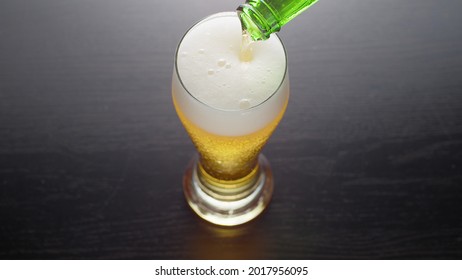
218, 91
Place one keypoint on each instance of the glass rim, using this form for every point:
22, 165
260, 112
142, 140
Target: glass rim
227, 14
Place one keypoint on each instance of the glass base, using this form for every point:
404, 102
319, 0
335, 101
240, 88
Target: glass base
228, 206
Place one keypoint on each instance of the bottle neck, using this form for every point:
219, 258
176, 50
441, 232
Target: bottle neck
258, 21
260, 18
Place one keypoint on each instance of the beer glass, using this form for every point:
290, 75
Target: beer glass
229, 182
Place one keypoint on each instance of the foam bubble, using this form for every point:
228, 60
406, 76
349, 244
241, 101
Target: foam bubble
244, 104
221, 62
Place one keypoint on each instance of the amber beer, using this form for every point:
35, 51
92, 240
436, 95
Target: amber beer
228, 158
229, 107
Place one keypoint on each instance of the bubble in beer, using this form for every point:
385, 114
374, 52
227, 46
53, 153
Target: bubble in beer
201, 51
183, 54
244, 103
210, 71
228, 65
221, 62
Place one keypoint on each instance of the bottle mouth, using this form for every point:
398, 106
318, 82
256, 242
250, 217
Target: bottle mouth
253, 23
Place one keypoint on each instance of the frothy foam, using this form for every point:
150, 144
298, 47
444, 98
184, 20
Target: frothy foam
230, 89
214, 72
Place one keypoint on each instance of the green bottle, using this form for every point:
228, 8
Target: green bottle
260, 18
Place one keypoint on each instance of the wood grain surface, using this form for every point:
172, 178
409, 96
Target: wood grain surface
367, 160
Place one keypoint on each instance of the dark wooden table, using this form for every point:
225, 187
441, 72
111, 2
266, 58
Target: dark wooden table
367, 160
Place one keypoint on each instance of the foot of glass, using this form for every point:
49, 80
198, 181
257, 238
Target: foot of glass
228, 206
